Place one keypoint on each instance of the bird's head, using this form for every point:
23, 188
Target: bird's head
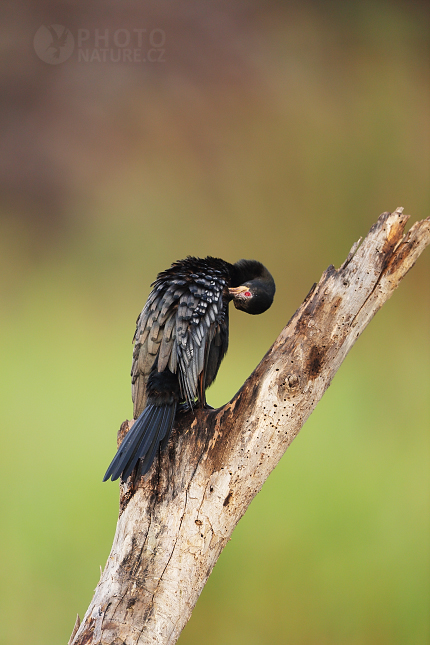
255, 287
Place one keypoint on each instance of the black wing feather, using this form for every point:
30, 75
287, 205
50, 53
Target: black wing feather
177, 324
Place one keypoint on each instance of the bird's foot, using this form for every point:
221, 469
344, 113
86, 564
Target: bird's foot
183, 408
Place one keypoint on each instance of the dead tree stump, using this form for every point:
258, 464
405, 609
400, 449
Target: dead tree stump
174, 524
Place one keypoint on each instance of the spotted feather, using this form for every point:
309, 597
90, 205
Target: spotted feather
177, 325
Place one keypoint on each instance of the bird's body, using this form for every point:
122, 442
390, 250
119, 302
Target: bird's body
180, 340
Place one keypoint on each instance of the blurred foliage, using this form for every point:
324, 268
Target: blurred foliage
272, 131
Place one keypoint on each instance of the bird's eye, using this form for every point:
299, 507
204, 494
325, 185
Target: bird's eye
247, 294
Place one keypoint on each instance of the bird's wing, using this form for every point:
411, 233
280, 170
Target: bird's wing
200, 313
155, 323
217, 351
175, 330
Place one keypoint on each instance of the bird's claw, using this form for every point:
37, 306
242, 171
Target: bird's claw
183, 408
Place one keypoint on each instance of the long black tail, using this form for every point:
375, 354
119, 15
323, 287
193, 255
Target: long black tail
141, 442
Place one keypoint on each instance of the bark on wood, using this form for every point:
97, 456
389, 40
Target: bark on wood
174, 524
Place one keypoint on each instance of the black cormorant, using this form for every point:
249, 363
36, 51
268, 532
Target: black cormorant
180, 340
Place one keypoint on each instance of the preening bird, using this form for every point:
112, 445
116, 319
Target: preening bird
180, 340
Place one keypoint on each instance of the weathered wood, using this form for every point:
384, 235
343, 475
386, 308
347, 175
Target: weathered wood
174, 525
75, 629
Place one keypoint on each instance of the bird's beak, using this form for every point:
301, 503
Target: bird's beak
234, 291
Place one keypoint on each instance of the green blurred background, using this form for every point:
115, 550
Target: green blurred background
276, 131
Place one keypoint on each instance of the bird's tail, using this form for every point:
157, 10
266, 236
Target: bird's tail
142, 440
